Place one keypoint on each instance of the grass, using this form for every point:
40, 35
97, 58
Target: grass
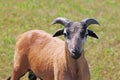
103, 55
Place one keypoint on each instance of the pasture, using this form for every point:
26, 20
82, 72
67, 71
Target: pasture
103, 55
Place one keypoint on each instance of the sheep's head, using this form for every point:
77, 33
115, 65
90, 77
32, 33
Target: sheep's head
75, 34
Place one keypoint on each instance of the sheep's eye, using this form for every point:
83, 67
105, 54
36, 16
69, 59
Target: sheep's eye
86, 35
64, 34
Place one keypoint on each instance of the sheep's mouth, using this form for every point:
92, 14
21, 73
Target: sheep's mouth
75, 55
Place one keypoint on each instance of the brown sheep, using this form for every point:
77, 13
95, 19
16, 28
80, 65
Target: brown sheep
49, 57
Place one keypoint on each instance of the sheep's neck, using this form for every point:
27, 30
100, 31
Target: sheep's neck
78, 69
72, 65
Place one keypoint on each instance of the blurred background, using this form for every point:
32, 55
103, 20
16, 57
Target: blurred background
103, 55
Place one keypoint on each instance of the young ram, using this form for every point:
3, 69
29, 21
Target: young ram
49, 57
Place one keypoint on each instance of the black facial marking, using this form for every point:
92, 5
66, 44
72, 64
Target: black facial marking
82, 33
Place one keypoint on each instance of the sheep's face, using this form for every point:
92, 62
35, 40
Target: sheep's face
75, 34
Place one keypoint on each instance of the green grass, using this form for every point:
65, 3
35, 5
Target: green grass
103, 55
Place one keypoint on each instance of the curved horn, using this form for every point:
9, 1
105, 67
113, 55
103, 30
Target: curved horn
61, 20
89, 21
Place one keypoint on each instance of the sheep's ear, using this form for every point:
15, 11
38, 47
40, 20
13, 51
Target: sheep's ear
58, 33
92, 34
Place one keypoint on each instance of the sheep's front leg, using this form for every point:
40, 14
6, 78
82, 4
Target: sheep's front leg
60, 73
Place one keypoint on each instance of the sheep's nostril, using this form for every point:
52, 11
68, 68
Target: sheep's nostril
75, 51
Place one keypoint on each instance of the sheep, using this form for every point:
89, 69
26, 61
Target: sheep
49, 57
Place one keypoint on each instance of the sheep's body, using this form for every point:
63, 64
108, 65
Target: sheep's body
47, 57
